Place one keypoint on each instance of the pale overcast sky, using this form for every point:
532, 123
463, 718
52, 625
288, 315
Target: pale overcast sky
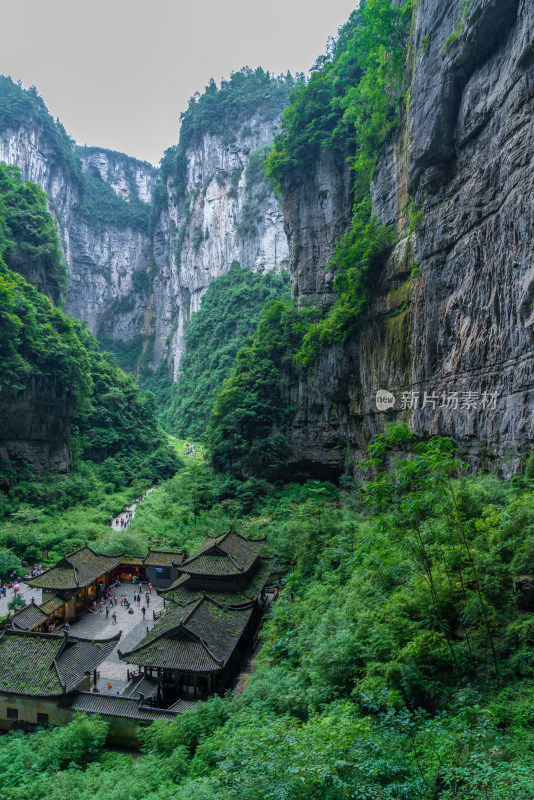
119, 72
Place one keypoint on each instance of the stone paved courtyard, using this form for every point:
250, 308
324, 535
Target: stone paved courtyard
26, 591
133, 628
96, 626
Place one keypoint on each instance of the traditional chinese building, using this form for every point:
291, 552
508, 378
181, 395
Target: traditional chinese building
229, 569
198, 645
72, 585
38, 670
76, 580
158, 567
194, 650
214, 600
30, 618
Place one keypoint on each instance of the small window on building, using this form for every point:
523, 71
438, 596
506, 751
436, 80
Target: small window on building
12, 713
42, 719
163, 573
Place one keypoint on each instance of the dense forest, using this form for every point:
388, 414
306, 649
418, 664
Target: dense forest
111, 417
228, 315
397, 660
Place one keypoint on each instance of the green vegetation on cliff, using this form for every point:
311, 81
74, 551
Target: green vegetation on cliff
38, 340
99, 203
29, 243
229, 313
19, 107
348, 109
245, 435
40, 345
223, 110
101, 206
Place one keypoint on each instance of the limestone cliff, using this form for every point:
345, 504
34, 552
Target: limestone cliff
452, 313
228, 213
136, 281
35, 425
107, 260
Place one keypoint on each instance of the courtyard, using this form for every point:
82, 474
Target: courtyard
95, 625
132, 626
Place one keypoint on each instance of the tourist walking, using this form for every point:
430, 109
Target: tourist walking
144, 611
114, 617
107, 612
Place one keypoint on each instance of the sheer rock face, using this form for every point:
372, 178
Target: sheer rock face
102, 260
102, 263
228, 214
122, 173
225, 215
108, 265
462, 320
35, 425
315, 216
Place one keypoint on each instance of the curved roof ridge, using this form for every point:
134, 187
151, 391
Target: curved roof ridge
196, 605
234, 562
33, 634
209, 652
58, 675
246, 538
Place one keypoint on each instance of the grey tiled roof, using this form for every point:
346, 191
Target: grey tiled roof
52, 605
195, 638
163, 558
27, 619
175, 654
46, 665
132, 561
125, 707
230, 554
182, 593
81, 656
27, 664
140, 686
182, 705
77, 570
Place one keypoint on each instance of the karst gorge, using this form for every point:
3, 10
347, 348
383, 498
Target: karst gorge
267, 426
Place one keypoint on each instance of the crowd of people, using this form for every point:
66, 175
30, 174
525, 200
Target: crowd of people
124, 521
109, 601
14, 581
125, 517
